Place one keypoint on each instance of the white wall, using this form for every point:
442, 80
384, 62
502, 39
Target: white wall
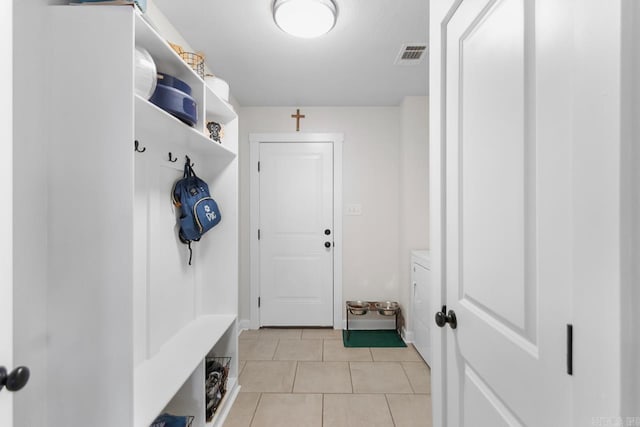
385, 170
414, 185
371, 178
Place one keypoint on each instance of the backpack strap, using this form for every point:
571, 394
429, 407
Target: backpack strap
188, 169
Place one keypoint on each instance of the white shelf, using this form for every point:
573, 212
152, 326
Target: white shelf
157, 380
217, 108
233, 388
166, 59
171, 128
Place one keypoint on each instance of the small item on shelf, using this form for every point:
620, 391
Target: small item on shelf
174, 82
141, 4
168, 420
218, 86
172, 95
195, 60
176, 47
215, 131
145, 74
217, 373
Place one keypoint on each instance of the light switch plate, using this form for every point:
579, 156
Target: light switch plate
354, 209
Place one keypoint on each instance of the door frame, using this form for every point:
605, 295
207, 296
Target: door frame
255, 139
605, 217
6, 214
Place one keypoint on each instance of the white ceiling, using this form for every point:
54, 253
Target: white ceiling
353, 65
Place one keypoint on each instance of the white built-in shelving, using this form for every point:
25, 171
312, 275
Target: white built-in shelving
152, 319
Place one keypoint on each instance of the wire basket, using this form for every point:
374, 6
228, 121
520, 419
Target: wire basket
195, 61
217, 373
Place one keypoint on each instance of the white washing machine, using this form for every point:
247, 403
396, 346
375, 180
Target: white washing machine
421, 317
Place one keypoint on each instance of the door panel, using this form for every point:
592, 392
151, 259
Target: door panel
164, 291
506, 366
492, 187
296, 206
482, 406
290, 271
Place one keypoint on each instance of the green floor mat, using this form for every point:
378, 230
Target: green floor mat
372, 338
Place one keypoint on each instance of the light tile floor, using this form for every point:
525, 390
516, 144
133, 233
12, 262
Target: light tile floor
306, 377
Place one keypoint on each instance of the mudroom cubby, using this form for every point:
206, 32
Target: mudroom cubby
152, 318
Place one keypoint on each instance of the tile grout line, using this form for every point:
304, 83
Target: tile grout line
255, 410
393, 420
295, 377
407, 377
353, 389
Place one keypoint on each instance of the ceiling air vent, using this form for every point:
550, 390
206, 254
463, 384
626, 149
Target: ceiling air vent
411, 54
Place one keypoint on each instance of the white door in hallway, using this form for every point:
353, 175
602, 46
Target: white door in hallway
296, 234
507, 222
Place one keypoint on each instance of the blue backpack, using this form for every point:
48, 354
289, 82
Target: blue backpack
199, 213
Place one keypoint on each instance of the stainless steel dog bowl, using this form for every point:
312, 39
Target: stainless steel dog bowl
358, 308
387, 308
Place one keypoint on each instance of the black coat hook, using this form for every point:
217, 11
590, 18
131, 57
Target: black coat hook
135, 147
188, 161
172, 159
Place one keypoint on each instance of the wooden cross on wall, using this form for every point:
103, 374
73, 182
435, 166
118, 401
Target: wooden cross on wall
298, 116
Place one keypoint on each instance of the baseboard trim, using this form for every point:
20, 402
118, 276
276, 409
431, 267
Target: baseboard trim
407, 335
244, 324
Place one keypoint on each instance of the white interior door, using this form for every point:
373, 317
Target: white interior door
296, 234
508, 215
6, 195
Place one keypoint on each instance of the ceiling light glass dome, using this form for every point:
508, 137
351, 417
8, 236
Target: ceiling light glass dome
305, 18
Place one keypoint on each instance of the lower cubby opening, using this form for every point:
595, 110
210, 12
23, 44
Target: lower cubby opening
216, 378
209, 392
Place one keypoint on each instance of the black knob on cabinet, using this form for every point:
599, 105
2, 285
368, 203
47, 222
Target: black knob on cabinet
327, 232
327, 245
14, 380
442, 319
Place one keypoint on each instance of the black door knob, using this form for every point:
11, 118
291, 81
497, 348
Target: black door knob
442, 318
14, 380
327, 245
327, 232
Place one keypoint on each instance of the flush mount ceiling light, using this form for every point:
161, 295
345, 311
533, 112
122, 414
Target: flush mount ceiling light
305, 18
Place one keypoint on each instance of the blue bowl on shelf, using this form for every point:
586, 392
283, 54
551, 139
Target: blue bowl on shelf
176, 103
174, 82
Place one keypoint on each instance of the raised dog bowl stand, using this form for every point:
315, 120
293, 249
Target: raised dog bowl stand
352, 308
